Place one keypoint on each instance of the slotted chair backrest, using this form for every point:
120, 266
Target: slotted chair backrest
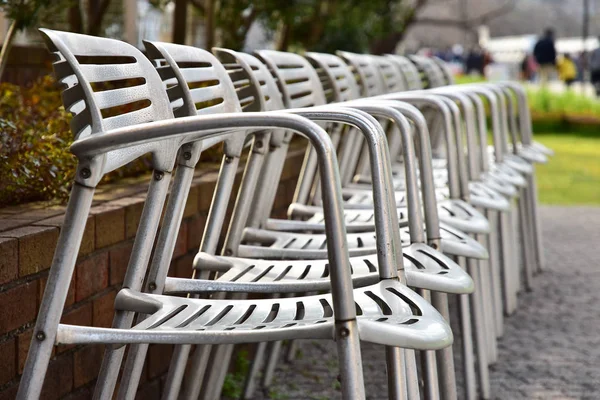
296, 79
430, 71
208, 89
393, 79
446, 71
244, 69
369, 79
104, 91
409, 71
336, 77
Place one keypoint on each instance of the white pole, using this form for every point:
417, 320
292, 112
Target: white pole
130, 22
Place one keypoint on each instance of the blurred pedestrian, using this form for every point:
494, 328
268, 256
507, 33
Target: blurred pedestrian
594, 59
567, 70
528, 68
545, 55
475, 62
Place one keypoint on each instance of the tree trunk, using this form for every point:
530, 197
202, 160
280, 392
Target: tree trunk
8, 41
209, 20
96, 14
75, 18
180, 21
387, 45
284, 39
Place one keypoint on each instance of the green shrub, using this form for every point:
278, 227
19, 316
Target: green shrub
35, 161
566, 103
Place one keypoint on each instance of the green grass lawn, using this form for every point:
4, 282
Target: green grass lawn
573, 175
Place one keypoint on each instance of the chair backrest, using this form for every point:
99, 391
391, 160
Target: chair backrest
336, 77
194, 78
431, 72
409, 71
369, 79
105, 91
444, 66
393, 79
296, 79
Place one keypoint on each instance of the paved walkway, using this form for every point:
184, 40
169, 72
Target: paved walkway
551, 345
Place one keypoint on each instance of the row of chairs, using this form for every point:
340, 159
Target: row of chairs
400, 201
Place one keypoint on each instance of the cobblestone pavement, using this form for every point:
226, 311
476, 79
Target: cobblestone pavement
551, 345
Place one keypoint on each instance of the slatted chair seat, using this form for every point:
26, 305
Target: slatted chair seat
424, 270
388, 314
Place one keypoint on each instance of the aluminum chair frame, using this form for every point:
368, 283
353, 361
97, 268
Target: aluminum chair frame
210, 380
100, 152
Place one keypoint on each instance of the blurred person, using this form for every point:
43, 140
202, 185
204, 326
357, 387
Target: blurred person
545, 55
475, 61
567, 70
594, 63
528, 68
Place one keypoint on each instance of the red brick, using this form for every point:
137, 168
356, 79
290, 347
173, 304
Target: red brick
133, 214
10, 393
84, 393
119, 259
23, 342
92, 276
195, 230
182, 267
86, 364
205, 194
9, 260
181, 244
80, 315
159, 357
59, 379
110, 225
18, 306
8, 361
70, 294
191, 205
103, 310
149, 391
88, 241
36, 247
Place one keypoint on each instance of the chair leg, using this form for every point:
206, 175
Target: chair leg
535, 221
527, 246
271, 364
59, 279
445, 357
411, 375
479, 325
349, 359
430, 373
192, 382
215, 376
401, 374
468, 356
486, 295
179, 360
507, 263
253, 373
494, 265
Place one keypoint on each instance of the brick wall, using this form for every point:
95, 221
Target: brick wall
28, 236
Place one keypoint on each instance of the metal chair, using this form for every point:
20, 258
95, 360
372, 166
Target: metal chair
105, 143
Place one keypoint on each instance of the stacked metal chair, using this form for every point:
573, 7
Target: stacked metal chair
357, 236
388, 312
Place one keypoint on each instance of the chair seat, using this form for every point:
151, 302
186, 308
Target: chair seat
424, 267
389, 313
454, 212
263, 243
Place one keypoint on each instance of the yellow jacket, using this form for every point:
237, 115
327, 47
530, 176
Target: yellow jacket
567, 70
